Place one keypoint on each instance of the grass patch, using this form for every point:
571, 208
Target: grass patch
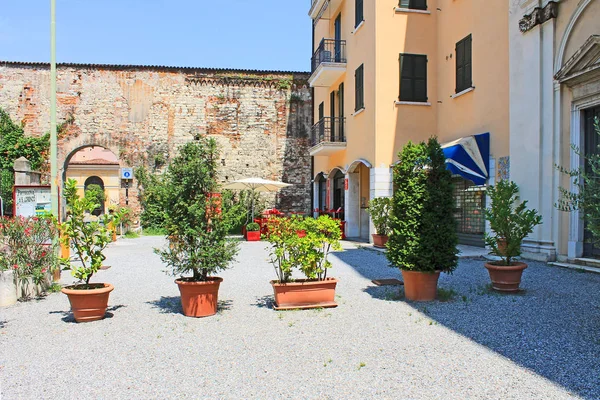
151, 231
54, 288
131, 235
445, 294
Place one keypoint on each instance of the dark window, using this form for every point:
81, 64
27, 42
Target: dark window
359, 17
341, 109
414, 4
359, 88
464, 64
413, 77
338, 38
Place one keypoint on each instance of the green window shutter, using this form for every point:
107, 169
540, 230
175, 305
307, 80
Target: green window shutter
359, 88
359, 14
464, 64
419, 4
413, 77
468, 69
404, 4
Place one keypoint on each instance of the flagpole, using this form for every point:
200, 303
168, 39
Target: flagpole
53, 133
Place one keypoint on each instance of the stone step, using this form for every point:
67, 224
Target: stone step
576, 267
589, 262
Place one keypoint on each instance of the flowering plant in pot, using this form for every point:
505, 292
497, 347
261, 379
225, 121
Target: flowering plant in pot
28, 253
197, 224
510, 221
89, 240
423, 235
380, 209
253, 232
309, 254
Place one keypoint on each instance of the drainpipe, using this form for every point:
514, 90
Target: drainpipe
312, 117
53, 138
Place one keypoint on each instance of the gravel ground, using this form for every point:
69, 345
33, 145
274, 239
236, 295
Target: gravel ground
540, 344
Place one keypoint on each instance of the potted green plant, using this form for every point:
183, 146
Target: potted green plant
253, 232
380, 209
307, 253
423, 235
197, 224
510, 221
89, 239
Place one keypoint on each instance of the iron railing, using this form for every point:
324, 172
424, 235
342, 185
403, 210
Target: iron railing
328, 129
329, 51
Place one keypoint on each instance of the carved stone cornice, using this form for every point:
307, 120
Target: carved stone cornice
538, 16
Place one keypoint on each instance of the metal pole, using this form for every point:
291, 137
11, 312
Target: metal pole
53, 134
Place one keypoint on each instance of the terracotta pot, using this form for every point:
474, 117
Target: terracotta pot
420, 286
89, 304
253, 236
380, 240
506, 278
304, 293
8, 288
199, 299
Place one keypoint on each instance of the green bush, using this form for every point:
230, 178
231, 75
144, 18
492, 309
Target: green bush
252, 227
151, 195
510, 220
423, 230
196, 221
380, 209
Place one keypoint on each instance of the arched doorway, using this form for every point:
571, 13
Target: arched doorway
95, 167
96, 184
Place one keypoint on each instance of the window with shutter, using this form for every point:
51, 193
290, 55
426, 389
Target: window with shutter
413, 4
413, 77
359, 16
464, 64
359, 88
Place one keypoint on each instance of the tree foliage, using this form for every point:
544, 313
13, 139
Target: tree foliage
151, 194
423, 230
196, 220
14, 144
510, 220
380, 209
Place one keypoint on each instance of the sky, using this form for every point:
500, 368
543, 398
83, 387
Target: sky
245, 34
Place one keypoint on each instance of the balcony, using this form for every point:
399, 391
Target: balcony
317, 8
327, 136
328, 63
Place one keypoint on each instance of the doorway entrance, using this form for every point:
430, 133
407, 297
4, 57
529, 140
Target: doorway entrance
591, 142
469, 208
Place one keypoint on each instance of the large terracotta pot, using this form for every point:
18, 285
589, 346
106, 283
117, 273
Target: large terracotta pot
8, 288
506, 278
89, 304
380, 240
199, 299
253, 236
420, 286
304, 293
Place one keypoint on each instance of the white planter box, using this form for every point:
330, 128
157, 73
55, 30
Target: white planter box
8, 289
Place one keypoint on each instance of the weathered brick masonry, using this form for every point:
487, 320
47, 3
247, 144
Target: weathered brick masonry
261, 119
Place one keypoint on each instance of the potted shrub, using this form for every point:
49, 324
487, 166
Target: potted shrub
308, 254
380, 209
423, 235
253, 232
27, 256
511, 222
197, 224
88, 239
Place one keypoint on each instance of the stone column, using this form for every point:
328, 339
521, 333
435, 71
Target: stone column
352, 205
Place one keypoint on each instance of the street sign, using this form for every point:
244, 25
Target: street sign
126, 173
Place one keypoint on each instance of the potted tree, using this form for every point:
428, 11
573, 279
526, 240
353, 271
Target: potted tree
197, 224
510, 221
423, 235
89, 239
379, 209
253, 232
309, 254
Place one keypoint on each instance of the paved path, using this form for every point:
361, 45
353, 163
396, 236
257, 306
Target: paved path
541, 344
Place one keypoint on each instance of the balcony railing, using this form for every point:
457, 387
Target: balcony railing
328, 130
329, 51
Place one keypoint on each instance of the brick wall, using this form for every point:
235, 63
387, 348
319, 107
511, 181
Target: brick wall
142, 114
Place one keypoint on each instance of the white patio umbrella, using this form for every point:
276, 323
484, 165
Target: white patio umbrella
256, 185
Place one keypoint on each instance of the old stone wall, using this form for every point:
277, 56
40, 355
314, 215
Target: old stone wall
142, 114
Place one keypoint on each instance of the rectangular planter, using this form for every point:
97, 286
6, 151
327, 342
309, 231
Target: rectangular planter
26, 288
304, 293
8, 288
253, 236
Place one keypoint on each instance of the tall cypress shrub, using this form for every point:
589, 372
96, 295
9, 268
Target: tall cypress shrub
423, 236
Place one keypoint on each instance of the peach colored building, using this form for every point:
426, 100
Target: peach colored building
388, 71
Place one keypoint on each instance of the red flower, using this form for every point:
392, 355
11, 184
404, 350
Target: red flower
43, 254
15, 266
43, 270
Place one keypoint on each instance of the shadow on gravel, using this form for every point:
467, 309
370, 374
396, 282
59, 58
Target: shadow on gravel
369, 263
68, 315
264, 302
3, 324
172, 305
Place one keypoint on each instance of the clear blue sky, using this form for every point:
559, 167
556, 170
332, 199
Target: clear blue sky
264, 34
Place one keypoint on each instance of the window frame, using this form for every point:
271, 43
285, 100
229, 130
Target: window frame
359, 101
412, 5
461, 64
413, 98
